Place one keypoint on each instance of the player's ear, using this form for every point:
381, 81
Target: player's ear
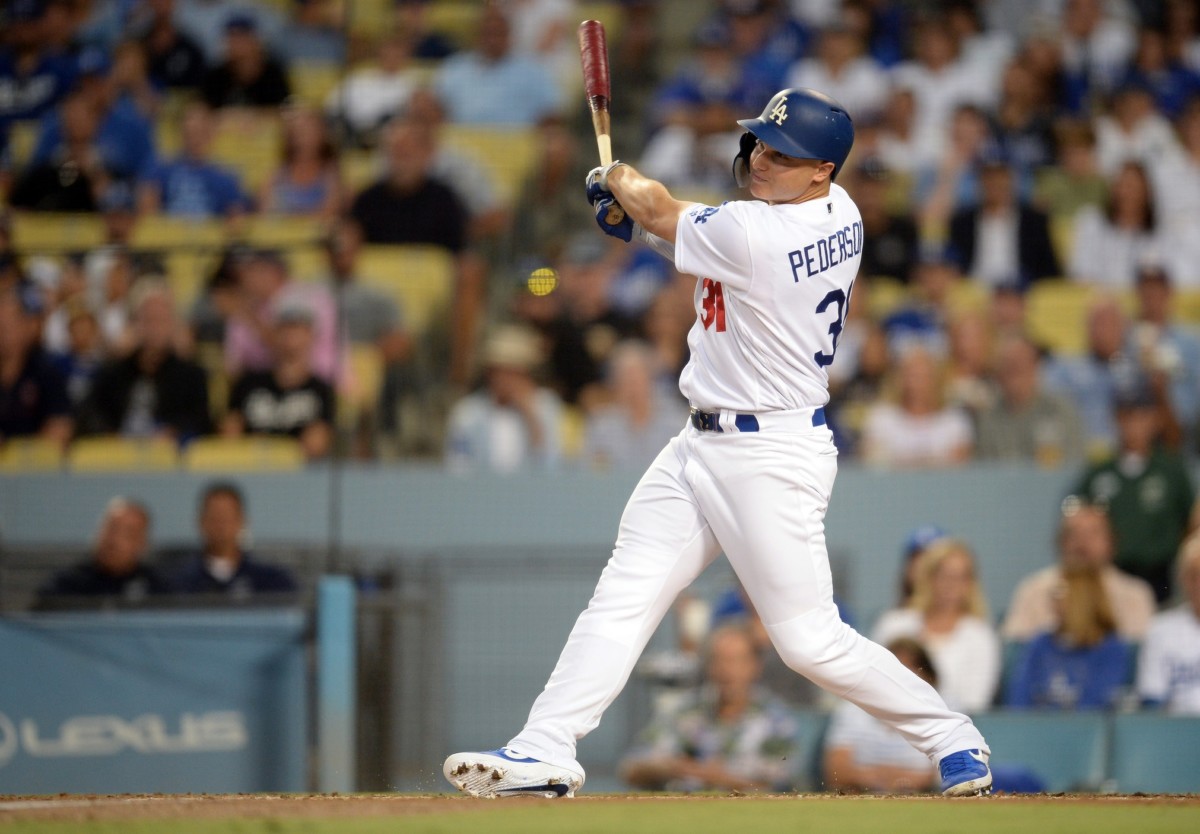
824, 172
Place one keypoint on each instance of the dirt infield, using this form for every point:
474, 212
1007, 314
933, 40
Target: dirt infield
80, 808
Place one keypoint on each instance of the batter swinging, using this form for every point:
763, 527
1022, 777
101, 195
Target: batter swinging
752, 472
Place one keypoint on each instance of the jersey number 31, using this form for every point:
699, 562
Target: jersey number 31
713, 314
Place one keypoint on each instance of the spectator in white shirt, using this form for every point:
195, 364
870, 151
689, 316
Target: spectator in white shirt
1169, 663
948, 615
842, 70
1110, 246
917, 429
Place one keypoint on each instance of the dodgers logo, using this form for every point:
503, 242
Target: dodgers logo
779, 114
702, 215
8, 740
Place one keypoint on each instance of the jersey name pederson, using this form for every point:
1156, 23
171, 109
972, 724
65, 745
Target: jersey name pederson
826, 252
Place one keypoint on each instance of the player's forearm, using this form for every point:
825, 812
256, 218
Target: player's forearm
647, 201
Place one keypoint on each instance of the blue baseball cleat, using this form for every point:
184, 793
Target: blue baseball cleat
504, 773
966, 773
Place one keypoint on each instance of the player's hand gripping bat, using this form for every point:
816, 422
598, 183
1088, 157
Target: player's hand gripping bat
593, 55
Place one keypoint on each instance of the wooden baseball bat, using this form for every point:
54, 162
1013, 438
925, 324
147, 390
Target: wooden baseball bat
593, 55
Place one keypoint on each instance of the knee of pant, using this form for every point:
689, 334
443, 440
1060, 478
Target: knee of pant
809, 641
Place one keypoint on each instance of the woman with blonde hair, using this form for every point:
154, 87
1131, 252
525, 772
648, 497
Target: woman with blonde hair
948, 615
916, 428
1082, 663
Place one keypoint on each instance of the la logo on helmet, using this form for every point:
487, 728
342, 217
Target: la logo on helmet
779, 114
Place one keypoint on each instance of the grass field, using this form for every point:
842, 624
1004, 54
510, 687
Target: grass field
604, 815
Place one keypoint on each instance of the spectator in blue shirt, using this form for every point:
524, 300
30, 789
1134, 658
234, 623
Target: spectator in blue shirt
124, 140
492, 85
191, 185
33, 77
1082, 663
1170, 82
222, 565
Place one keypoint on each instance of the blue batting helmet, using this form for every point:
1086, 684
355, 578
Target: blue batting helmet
802, 123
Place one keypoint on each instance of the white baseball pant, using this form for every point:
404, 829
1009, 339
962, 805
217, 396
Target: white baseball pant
761, 498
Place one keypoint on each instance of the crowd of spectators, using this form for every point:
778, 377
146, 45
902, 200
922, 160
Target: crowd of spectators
1079, 635
995, 152
1001, 149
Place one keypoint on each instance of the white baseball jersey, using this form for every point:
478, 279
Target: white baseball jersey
772, 298
1169, 663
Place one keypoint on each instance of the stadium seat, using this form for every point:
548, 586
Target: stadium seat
360, 168
883, 296
30, 454
282, 230
243, 454
47, 232
455, 19
364, 381
164, 231
22, 139
120, 454
507, 154
187, 273
1067, 751
313, 82
419, 278
1057, 314
1156, 754
249, 143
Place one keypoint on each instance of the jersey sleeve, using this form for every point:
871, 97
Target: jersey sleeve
713, 242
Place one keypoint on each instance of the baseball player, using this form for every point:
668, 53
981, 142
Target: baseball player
752, 471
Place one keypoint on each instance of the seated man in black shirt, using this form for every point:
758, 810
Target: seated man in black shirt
288, 399
408, 204
223, 566
115, 569
33, 393
250, 76
153, 391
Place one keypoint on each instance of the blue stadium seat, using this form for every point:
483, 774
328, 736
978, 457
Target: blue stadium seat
1156, 754
1066, 751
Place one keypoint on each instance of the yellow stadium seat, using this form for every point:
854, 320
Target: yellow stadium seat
249, 143
359, 169
313, 82
282, 230
1187, 306
507, 154
1056, 312
883, 296
187, 272
573, 429
211, 357
456, 19
968, 296
1062, 236
163, 231
419, 278
36, 231
243, 454
307, 263
119, 454
30, 454
364, 380
22, 139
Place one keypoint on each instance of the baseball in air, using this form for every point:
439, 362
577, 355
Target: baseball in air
543, 281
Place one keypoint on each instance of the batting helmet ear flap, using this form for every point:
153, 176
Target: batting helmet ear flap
741, 162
